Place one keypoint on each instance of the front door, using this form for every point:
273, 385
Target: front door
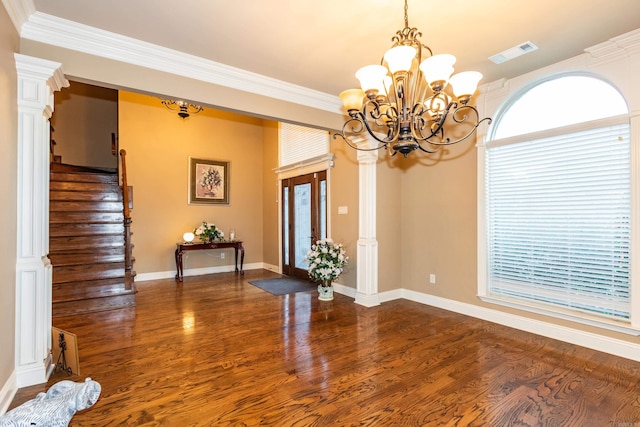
304, 219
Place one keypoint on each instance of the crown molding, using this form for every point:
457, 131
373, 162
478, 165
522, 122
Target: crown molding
620, 46
19, 11
71, 35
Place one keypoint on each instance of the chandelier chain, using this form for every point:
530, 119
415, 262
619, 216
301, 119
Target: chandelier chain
406, 14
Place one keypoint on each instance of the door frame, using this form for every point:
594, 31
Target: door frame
313, 178
315, 164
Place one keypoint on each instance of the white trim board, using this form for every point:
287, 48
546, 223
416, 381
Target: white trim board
52, 30
8, 392
143, 277
593, 341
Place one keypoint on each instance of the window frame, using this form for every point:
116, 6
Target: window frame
633, 325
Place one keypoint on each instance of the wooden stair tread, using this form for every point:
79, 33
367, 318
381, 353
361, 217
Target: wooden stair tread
85, 196
56, 186
93, 305
68, 244
66, 259
93, 217
108, 283
83, 229
64, 167
78, 273
89, 293
79, 206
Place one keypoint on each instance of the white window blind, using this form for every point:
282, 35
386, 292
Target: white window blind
299, 143
558, 221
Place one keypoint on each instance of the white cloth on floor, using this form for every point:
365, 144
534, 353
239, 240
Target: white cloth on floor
55, 407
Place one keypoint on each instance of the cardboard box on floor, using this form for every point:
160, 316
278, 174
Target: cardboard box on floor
68, 362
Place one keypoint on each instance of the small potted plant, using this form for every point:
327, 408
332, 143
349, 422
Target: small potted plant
208, 233
326, 261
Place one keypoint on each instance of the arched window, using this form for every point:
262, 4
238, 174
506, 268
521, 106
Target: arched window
557, 202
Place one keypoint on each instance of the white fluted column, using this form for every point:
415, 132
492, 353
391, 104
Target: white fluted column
367, 281
37, 80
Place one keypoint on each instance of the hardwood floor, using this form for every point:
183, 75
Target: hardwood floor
217, 351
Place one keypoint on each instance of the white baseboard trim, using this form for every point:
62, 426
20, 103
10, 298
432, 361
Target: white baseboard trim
8, 392
391, 295
344, 290
143, 277
272, 267
590, 340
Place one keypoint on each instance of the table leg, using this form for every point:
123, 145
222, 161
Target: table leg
241, 258
179, 269
236, 251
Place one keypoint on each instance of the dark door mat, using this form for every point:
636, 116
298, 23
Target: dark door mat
283, 285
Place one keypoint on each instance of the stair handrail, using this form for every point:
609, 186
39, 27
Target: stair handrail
128, 247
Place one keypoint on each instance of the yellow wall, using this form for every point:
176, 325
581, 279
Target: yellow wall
9, 43
270, 248
158, 145
85, 117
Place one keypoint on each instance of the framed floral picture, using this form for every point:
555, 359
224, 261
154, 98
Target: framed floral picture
208, 181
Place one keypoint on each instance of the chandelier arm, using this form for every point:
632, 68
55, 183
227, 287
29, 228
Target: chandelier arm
464, 118
449, 142
354, 145
416, 130
392, 135
420, 138
358, 124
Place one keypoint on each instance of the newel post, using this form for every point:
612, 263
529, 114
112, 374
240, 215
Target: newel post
128, 255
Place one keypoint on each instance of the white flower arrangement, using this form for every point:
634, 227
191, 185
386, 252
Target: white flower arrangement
326, 261
208, 232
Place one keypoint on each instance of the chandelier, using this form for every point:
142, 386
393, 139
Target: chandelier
184, 108
403, 104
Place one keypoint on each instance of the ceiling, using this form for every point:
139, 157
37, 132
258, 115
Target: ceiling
320, 44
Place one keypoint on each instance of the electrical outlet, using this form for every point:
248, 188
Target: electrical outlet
221, 255
432, 279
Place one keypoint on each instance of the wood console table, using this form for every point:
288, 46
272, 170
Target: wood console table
184, 247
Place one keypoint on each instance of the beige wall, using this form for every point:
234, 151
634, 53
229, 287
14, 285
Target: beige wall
85, 117
439, 223
389, 221
158, 145
270, 248
9, 43
344, 192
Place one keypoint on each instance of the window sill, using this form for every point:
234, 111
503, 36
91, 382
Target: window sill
612, 325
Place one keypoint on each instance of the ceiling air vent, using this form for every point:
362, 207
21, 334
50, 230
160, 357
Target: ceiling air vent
513, 52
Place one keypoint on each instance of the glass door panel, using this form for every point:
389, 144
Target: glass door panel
285, 230
302, 221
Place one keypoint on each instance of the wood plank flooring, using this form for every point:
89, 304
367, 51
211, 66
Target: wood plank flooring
217, 351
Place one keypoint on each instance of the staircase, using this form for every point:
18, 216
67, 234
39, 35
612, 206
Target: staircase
87, 242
